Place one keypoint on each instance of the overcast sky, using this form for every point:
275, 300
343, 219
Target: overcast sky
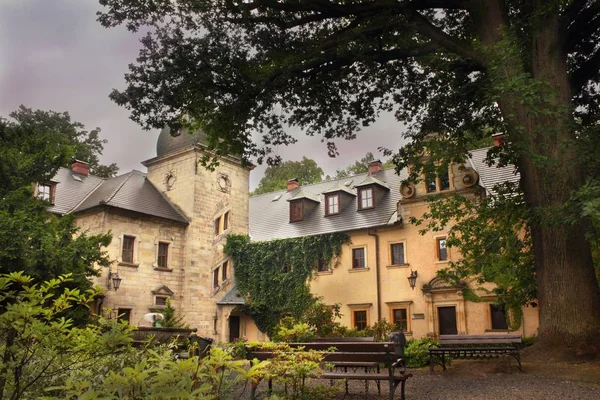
55, 56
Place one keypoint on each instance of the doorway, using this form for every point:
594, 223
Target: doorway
234, 328
447, 320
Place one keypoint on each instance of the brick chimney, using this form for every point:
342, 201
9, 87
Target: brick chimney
80, 167
498, 138
375, 167
292, 184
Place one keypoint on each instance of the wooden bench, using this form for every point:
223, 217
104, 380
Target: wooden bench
474, 347
353, 353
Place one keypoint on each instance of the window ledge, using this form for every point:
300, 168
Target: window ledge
156, 307
128, 264
398, 266
442, 262
358, 269
325, 272
499, 330
163, 269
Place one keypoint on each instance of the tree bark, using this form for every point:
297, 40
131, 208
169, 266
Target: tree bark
543, 131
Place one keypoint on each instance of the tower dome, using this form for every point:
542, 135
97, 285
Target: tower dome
168, 142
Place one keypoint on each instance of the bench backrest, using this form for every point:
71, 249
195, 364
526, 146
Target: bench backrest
380, 352
479, 339
345, 339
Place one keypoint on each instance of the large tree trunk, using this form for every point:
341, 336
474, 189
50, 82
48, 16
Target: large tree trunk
543, 131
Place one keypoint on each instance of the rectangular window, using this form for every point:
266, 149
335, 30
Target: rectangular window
431, 183
226, 221
163, 254
444, 180
323, 266
366, 198
498, 314
216, 277
400, 319
296, 211
44, 192
360, 319
217, 226
160, 300
224, 272
442, 251
124, 314
397, 251
128, 245
333, 204
358, 258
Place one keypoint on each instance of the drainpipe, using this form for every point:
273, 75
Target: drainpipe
376, 236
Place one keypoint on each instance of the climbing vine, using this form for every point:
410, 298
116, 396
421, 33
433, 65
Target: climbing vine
274, 276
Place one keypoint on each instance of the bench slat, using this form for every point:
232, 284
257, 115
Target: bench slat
345, 339
356, 347
364, 377
336, 357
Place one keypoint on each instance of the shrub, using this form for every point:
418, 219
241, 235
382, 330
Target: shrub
529, 341
417, 352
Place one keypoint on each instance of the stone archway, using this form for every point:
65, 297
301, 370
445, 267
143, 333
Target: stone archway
441, 297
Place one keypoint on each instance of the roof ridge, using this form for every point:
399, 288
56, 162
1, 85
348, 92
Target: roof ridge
102, 181
323, 181
114, 193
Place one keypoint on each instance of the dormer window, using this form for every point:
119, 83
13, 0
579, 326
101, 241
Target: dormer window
296, 211
365, 198
45, 192
437, 183
332, 204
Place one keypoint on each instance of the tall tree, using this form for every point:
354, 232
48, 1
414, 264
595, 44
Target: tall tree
360, 166
32, 240
276, 176
87, 145
528, 68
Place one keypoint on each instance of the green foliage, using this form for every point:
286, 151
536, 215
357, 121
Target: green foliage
32, 240
361, 166
381, 330
417, 352
290, 332
171, 319
276, 176
269, 290
38, 346
494, 240
529, 341
78, 143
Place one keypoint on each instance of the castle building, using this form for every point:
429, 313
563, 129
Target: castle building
169, 226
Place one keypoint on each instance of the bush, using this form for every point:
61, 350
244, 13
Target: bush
529, 341
417, 352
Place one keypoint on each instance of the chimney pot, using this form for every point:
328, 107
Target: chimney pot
292, 184
498, 139
80, 167
375, 166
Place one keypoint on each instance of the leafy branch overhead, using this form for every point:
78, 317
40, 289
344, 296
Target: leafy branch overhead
273, 276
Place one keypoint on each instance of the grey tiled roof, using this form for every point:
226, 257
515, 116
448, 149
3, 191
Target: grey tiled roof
232, 297
269, 219
337, 186
71, 189
301, 193
133, 192
491, 176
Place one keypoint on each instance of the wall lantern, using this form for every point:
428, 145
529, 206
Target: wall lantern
113, 280
412, 279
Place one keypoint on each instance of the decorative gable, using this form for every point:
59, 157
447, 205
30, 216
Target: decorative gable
163, 291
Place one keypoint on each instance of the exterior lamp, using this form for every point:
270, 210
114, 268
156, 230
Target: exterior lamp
113, 280
412, 279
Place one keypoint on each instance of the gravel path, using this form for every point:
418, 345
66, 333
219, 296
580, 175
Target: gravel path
491, 379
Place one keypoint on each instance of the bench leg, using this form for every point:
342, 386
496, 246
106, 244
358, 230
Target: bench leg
392, 388
431, 362
402, 392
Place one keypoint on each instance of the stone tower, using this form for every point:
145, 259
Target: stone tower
216, 204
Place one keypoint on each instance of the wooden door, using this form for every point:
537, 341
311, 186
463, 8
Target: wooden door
234, 328
447, 320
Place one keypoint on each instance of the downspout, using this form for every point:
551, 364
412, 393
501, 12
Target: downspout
378, 286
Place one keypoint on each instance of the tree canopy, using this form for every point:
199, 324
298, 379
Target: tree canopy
86, 145
32, 240
276, 176
461, 68
360, 166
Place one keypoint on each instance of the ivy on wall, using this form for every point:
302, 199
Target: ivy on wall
274, 276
